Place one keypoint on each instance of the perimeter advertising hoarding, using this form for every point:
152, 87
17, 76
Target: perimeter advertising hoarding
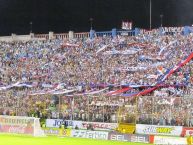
57, 131
81, 124
17, 125
139, 138
169, 140
90, 134
187, 131
56, 123
116, 136
159, 130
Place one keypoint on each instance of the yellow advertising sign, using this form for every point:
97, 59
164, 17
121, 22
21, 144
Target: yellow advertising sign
126, 128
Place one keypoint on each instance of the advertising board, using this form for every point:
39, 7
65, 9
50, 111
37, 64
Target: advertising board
90, 134
17, 125
116, 136
159, 130
187, 131
169, 140
56, 123
57, 131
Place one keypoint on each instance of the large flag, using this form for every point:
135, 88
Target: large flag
102, 48
179, 65
96, 92
117, 92
163, 78
144, 92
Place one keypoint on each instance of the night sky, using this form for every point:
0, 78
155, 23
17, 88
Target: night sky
64, 15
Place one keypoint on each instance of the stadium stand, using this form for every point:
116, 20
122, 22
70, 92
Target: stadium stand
91, 77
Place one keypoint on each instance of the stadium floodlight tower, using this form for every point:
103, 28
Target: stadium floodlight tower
161, 20
31, 26
91, 23
150, 14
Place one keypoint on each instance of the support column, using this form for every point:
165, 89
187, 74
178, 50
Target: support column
51, 35
71, 35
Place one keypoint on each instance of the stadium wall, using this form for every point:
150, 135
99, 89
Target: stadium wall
114, 32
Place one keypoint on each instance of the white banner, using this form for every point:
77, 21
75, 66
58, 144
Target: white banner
169, 140
90, 134
56, 123
159, 130
20, 125
99, 125
81, 124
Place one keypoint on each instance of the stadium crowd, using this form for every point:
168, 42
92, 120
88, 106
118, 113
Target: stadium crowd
86, 65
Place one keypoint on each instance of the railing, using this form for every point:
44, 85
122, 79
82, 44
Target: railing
105, 33
61, 36
81, 35
46, 36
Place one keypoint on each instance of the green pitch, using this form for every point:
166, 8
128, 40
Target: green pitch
26, 140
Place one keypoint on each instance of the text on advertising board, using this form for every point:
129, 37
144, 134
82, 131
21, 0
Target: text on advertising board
90, 134
158, 130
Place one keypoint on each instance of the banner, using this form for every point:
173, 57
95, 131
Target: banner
187, 131
56, 123
15, 129
179, 65
116, 136
144, 92
169, 140
99, 125
119, 91
127, 25
57, 131
90, 134
80, 124
126, 128
159, 130
139, 138
162, 78
172, 29
20, 125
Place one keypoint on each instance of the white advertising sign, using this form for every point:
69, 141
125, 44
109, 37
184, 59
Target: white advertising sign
56, 123
90, 134
99, 125
80, 124
169, 140
159, 130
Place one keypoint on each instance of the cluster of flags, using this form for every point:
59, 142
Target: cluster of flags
60, 88
18, 85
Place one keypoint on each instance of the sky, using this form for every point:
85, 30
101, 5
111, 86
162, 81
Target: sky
61, 16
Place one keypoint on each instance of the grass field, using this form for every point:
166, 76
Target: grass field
27, 140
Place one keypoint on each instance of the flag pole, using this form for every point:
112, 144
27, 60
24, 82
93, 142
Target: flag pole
150, 12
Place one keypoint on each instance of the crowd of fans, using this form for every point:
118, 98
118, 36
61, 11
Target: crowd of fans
86, 65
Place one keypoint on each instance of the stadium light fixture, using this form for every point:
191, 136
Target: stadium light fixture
161, 20
91, 23
31, 26
150, 13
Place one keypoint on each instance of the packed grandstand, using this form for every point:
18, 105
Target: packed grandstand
143, 78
